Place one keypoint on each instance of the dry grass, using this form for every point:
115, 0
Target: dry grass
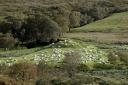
107, 38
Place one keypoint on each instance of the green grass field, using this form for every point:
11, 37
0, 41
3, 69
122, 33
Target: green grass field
90, 53
115, 23
54, 53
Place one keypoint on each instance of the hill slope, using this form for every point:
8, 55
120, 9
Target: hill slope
55, 53
116, 23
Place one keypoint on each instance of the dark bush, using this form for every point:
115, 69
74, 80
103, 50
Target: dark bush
40, 27
11, 24
83, 68
36, 27
7, 41
61, 81
103, 66
42, 82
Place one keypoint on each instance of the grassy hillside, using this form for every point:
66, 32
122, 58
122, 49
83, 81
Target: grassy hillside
115, 23
55, 53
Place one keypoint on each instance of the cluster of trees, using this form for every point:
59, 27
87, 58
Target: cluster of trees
43, 20
33, 29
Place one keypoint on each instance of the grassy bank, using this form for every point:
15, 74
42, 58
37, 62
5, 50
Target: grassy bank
114, 23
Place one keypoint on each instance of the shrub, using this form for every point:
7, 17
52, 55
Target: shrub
42, 82
40, 27
61, 81
3, 68
75, 19
10, 24
83, 68
4, 80
7, 41
63, 22
71, 62
123, 57
60, 14
23, 71
43, 69
45, 73
35, 27
118, 59
113, 58
103, 66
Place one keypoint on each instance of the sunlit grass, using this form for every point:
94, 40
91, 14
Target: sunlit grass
55, 53
115, 23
